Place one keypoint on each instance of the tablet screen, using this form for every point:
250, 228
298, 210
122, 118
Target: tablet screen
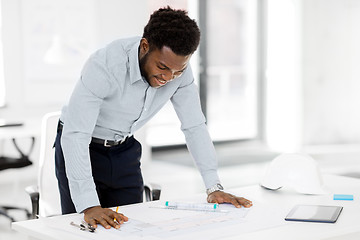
314, 213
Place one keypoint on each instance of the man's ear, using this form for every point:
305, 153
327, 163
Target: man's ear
144, 46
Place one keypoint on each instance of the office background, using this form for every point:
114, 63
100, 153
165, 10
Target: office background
274, 76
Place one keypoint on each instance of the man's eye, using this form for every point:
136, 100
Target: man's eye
162, 68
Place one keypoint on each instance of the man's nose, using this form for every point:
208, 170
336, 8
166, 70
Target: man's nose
168, 76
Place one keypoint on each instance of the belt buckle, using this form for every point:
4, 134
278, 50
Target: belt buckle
123, 140
106, 144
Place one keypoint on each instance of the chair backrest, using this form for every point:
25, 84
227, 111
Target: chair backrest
49, 197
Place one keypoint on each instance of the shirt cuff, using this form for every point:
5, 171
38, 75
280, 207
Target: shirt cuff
84, 195
210, 178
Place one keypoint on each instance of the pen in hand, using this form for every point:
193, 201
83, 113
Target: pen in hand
119, 218
117, 209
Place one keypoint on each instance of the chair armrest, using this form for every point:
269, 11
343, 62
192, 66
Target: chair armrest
152, 191
34, 197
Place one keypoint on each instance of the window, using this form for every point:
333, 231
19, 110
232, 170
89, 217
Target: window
231, 69
2, 80
228, 83
164, 128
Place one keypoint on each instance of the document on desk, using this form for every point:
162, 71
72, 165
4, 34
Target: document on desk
169, 223
148, 221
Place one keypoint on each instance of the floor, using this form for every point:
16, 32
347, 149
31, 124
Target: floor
175, 172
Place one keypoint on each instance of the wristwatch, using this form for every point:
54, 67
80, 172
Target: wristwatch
216, 187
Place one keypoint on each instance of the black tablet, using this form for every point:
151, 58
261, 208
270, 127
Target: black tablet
314, 213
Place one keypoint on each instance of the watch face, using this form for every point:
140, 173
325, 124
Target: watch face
220, 187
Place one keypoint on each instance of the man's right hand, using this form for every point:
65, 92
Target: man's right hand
104, 216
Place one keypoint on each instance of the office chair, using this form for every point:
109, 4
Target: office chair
15, 162
45, 197
19, 162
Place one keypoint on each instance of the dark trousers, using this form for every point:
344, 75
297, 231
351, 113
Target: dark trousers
116, 172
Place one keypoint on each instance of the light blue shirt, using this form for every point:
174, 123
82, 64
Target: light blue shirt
112, 100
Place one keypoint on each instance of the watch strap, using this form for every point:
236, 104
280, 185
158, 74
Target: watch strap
216, 187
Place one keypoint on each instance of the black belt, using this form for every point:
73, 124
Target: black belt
110, 143
104, 142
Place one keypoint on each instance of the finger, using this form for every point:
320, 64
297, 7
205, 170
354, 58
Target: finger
234, 201
110, 221
121, 217
227, 198
101, 220
245, 202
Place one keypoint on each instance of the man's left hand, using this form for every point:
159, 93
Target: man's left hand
223, 197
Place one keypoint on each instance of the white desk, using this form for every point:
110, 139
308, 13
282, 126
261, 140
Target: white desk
265, 220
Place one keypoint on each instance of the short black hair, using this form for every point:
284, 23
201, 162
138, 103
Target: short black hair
174, 29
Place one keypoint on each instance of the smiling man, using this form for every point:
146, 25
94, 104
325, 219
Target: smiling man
121, 87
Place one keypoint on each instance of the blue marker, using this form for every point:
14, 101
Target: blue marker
192, 206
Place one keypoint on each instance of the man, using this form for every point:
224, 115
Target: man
121, 87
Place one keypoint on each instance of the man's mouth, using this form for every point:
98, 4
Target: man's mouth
161, 81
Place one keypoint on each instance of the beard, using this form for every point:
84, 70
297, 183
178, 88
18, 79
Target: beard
142, 63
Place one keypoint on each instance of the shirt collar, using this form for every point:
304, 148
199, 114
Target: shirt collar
135, 74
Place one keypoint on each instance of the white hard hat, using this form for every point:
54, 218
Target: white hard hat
296, 170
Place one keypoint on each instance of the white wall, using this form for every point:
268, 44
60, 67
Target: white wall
117, 19
284, 86
105, 21
315, 69
313, 76
30, 96
331, 72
